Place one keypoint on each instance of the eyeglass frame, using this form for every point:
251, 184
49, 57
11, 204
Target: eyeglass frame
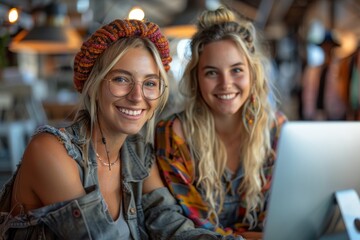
162, 84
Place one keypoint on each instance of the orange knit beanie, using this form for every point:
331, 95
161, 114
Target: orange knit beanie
99, 41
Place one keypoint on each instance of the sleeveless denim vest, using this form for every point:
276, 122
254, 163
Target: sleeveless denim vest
86, 217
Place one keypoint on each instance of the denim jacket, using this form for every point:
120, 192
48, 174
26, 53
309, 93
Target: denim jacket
152, 216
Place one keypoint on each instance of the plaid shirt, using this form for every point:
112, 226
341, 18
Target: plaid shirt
175, 164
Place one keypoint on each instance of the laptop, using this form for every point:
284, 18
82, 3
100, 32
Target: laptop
315, 160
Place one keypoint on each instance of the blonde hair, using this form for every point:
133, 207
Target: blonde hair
206, 147
87, 108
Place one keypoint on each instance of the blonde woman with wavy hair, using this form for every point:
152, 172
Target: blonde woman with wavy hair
217, 155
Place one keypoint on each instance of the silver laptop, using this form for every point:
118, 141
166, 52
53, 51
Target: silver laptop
315, 160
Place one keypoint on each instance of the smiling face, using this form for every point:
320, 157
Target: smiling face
224, 78
129, 113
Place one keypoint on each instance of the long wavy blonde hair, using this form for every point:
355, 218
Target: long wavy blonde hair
209, 152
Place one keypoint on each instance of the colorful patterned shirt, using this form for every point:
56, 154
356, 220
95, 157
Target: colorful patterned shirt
177, 170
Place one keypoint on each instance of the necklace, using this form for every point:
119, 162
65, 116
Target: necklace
107, 164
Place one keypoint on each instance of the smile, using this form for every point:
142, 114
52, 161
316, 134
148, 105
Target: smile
130, 112
226, 96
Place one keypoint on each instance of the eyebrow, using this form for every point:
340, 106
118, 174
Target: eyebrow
119, 71
233, 65
130, 74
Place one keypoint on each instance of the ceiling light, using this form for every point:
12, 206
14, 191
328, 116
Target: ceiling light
13, 15
53, 37
136, 13
47, 40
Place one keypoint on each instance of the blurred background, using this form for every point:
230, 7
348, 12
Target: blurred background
313, 47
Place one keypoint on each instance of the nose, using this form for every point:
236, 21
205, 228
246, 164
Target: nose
136, 92
225, 81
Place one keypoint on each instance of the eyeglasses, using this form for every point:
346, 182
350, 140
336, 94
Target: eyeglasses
122, 84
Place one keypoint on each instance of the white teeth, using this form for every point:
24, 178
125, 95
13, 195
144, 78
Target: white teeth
130, 112
226, 96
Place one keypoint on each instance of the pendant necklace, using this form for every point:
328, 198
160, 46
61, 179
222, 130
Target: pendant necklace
108, 163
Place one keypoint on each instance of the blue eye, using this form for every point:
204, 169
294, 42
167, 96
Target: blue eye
151, 83
121, 80
238, 70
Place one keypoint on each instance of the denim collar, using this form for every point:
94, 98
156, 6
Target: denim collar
135, 155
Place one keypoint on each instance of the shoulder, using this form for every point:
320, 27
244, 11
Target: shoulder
44, 143
171, 125
177, 128
60, 134
70, 137
47, 170
44, 151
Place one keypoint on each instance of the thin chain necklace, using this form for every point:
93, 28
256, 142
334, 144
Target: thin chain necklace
108, 163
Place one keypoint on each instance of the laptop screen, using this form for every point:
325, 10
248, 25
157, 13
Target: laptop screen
315, 159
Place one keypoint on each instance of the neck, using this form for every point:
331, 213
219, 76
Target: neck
107, 146
228, 127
